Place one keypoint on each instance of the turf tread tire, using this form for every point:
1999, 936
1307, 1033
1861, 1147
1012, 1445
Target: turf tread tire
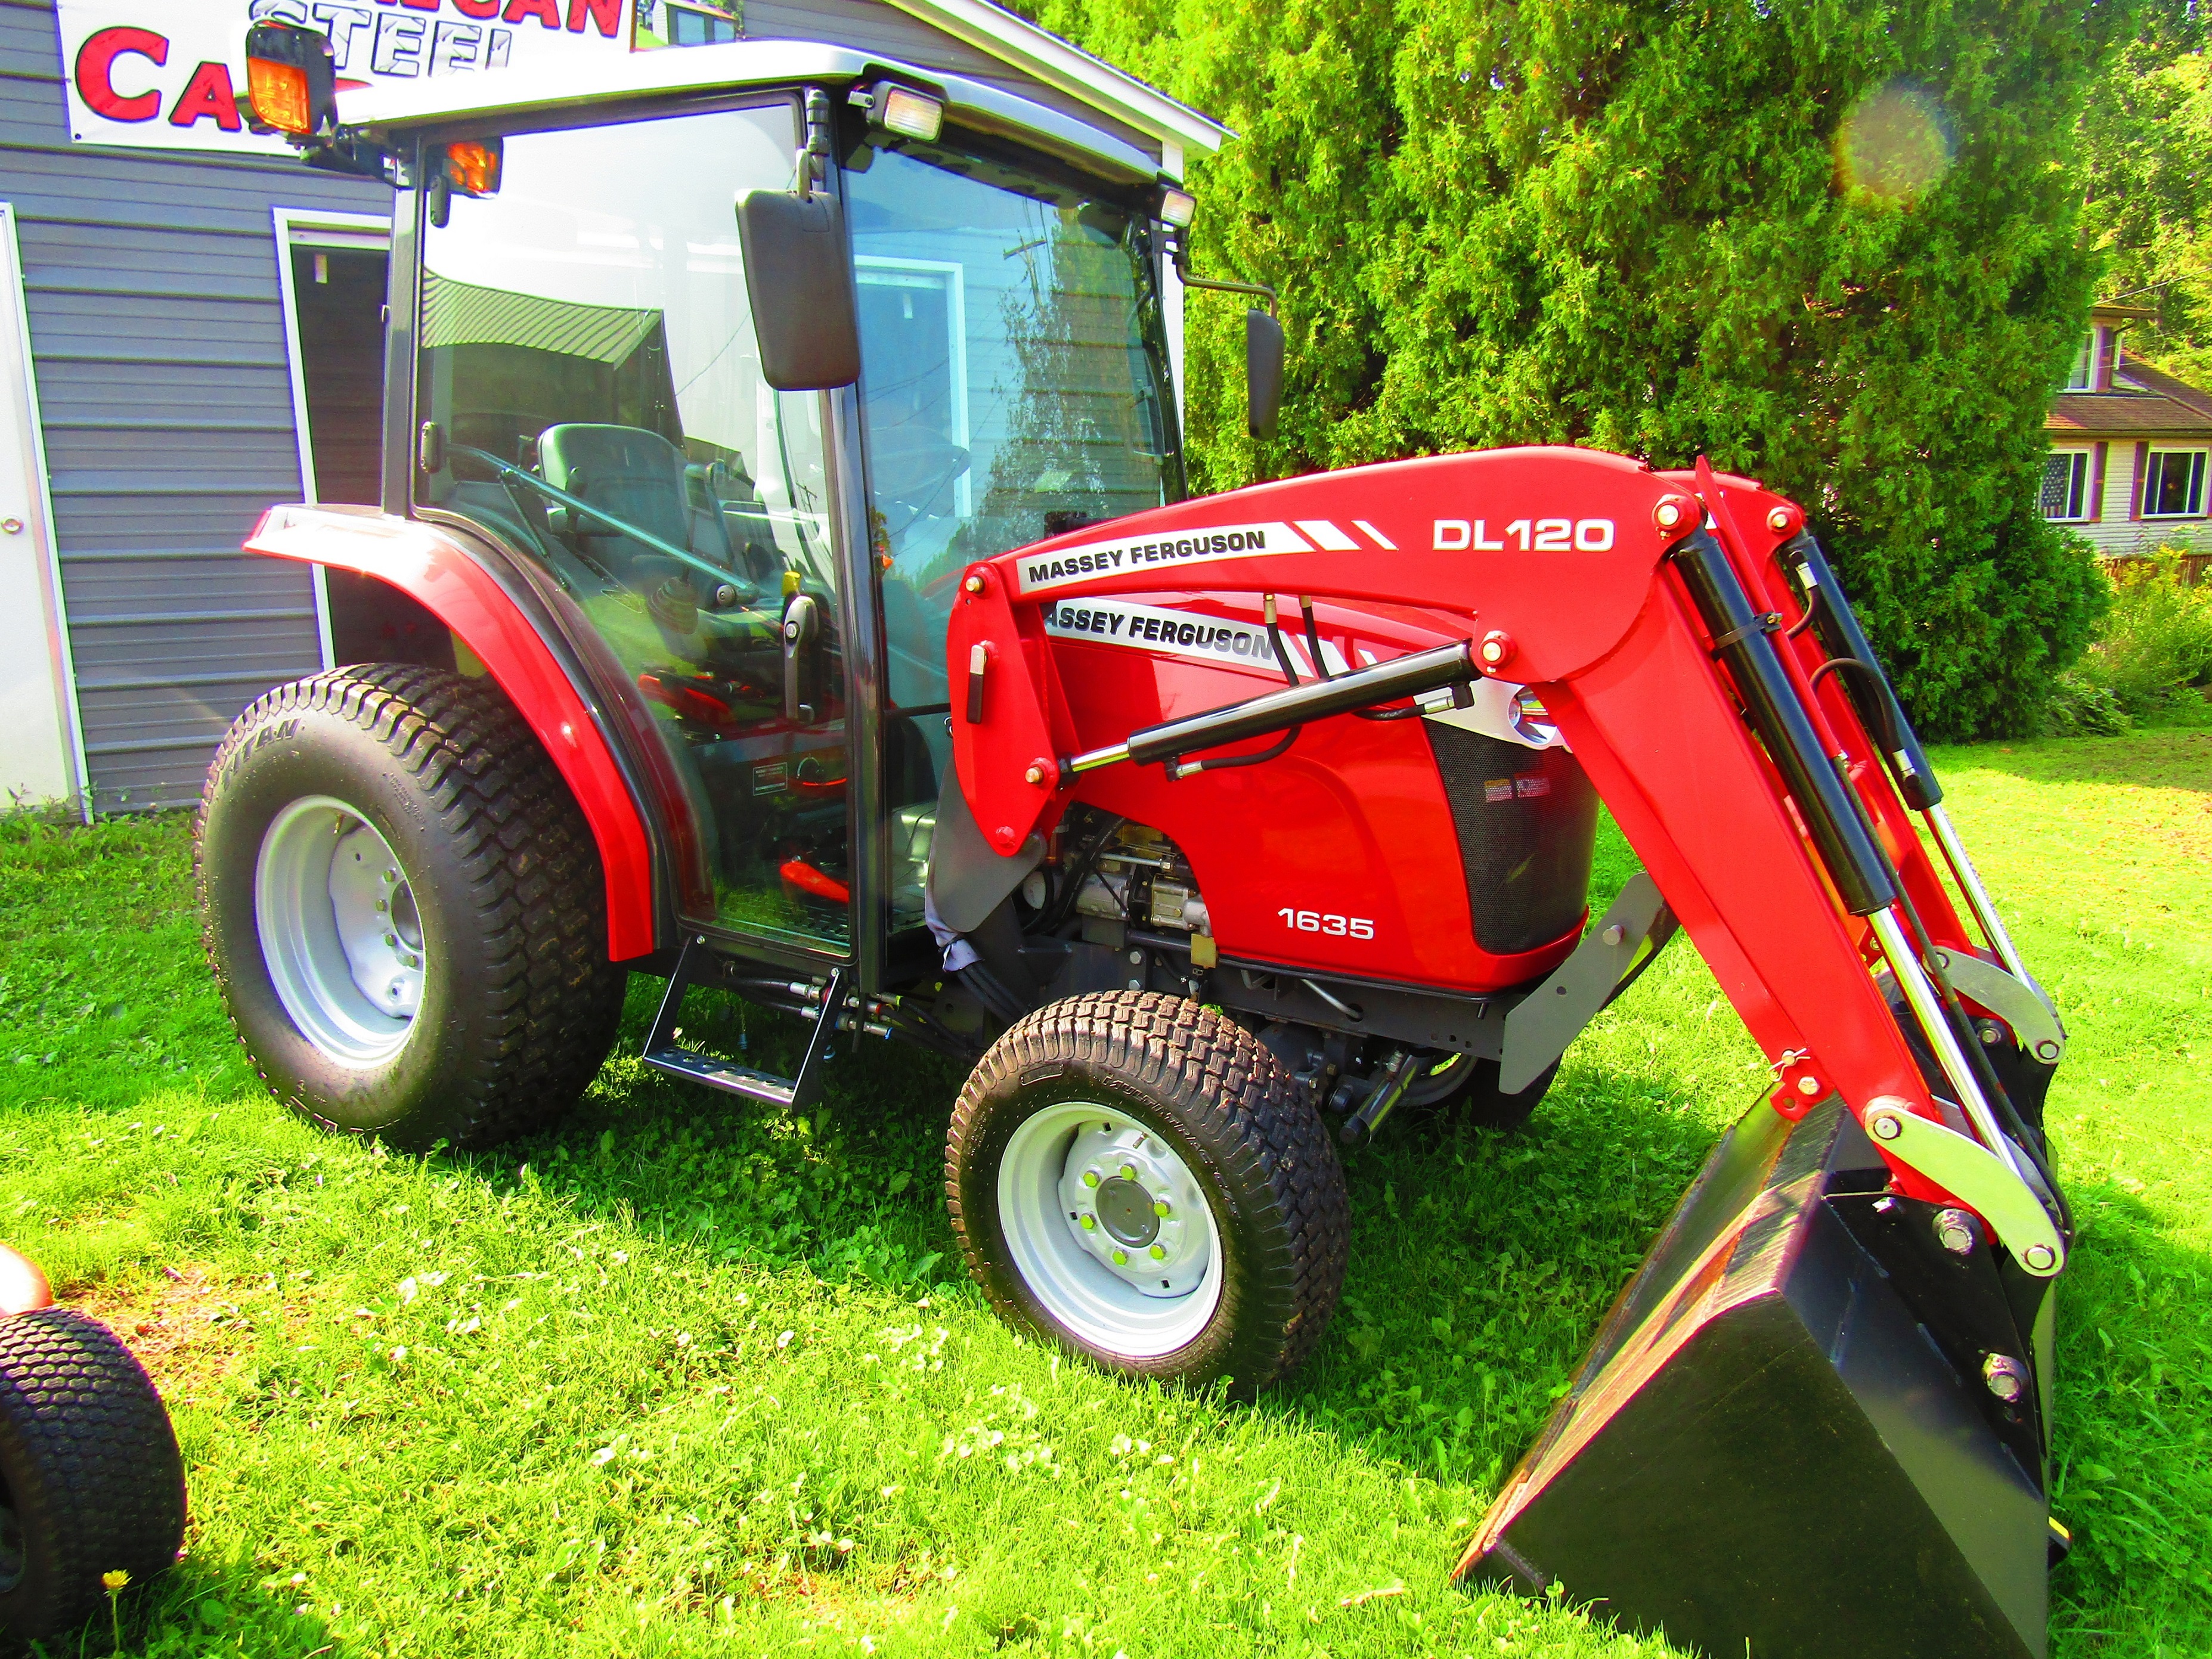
1272, 1153
547, 1000
91, 1465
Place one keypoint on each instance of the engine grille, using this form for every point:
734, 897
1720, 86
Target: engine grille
1527, 821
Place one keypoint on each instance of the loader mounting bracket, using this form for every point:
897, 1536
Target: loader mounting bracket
1635, 928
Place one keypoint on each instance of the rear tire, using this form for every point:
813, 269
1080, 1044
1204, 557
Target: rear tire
405, 909
1217, 1243
94, 1481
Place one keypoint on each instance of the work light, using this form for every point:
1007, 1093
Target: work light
908, 113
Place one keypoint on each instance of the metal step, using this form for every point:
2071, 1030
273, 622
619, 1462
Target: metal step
663, 1053
716, 1073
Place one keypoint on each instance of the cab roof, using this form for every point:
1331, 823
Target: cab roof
734, 65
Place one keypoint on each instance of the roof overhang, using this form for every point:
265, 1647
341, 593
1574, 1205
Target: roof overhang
394, 106
1040, 52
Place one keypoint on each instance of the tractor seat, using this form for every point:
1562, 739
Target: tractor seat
637, 476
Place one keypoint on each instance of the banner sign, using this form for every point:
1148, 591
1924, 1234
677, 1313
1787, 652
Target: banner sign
171, 74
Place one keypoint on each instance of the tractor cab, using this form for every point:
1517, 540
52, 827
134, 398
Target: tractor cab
759, 576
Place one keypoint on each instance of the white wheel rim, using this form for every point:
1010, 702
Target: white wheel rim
340, 933
1076, 1162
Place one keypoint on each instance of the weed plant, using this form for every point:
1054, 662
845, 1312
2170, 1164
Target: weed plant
682, 1375
2152, 650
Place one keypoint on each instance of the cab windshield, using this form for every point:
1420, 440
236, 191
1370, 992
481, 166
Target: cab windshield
1014, 381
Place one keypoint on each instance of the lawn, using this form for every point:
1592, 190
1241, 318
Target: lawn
683, 1375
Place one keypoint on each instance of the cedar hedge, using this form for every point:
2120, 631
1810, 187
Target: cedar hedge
1832, 246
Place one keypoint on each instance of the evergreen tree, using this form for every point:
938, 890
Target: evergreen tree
1835, 246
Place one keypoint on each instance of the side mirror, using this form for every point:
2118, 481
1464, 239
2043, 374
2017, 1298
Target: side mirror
798, 275
1263, 373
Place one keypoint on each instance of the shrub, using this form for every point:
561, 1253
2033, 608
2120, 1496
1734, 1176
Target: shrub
2157, 637
2078, 707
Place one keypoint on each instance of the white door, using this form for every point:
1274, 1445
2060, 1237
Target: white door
39, 762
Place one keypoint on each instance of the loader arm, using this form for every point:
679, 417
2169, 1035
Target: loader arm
1656, 614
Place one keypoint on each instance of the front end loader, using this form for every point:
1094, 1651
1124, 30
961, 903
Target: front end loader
785, 584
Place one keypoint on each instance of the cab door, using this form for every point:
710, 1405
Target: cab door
589, 387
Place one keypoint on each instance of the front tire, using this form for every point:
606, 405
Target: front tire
405, 909
91, 1481
1135, 1178
1463, 1086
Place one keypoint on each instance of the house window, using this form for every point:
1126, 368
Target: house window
690, 27
2066, 484
2083, 376
2173, 484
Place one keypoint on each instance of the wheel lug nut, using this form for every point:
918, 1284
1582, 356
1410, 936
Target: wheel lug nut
1089, 1222
1128, 1172
392, 938
1159, 1252
1160, 1206
390, 876
383, 904
1120, 1257
1090, 1177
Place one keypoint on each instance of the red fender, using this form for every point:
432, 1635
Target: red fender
428, 565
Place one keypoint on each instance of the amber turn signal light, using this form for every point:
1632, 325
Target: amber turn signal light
278, 92
473, 166
291, 81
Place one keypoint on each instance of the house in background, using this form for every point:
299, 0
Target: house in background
2128, 447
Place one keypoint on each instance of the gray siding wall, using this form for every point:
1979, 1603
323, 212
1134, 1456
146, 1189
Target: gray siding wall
158, 333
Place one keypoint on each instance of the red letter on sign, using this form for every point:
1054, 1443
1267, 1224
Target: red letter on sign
547, 12
95, 63
210, 94
607, 14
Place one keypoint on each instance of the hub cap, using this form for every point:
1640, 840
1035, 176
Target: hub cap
1110, 1230
339, 931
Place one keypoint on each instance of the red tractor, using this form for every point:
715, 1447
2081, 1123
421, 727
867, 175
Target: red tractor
785, 584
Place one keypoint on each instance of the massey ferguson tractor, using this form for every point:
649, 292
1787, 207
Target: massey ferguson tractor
785, 583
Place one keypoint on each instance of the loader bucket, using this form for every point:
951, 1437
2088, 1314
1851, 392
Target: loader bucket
1770, 1450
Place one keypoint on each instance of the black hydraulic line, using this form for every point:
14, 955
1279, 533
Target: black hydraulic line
1275, 639
1886, 736
1870, 690
1321, 670
1071, 886
1179, 768
1410, 712
1854, 862
1313, 638
1386, 682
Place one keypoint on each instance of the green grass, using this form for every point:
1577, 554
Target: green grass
681, 1376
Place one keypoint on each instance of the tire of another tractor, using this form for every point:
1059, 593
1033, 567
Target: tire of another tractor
405, 910
1465, 1087
1133, 1178
94, 1482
